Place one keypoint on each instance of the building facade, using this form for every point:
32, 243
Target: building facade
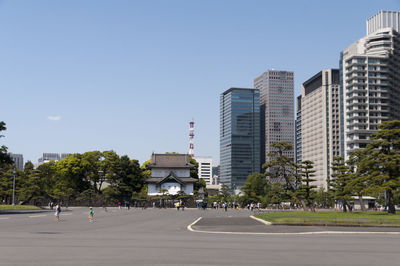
205, 168
216, 170
239, 135
47, 157
276, 110
18, 161
298, 131
320, 123
384, 19
170, 173
370, 74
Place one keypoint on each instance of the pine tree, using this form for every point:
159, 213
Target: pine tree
340, 179
306, 189
381, 161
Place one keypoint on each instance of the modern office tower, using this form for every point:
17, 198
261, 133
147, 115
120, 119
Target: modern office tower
276, 109
320, 122
47, 157
239, 135
370, 80
205, 170
298, 131
18, 161
216, 174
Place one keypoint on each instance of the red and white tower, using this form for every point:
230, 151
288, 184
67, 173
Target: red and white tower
191, 136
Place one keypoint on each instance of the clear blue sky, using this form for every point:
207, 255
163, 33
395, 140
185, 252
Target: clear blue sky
77, 76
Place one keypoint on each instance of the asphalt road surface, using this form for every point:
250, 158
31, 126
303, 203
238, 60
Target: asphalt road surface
161, 237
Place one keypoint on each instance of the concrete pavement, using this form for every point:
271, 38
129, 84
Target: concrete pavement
160, 237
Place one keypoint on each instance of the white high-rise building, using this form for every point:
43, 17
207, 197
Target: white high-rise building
370, 73
276, 110
320, 123
384, 19
205, 168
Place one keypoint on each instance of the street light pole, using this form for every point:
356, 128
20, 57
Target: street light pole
13, 194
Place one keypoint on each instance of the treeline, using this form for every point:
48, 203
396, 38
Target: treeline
91, 178
372, 171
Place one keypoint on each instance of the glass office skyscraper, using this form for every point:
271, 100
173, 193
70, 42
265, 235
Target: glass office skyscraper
239, 135
277, 110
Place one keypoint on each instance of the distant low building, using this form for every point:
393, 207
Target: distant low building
205, 168
18, 161
170, 173
369, 202
47, 157
213, 189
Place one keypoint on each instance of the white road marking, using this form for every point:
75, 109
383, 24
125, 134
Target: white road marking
4, 218
260, 220
35, 216
189, 227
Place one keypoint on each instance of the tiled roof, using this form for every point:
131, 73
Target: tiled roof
170, 161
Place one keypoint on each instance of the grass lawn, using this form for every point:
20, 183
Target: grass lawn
332, 218
18, 207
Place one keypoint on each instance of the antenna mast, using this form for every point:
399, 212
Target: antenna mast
191, 136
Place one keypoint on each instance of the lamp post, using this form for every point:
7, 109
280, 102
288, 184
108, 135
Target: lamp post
13, 194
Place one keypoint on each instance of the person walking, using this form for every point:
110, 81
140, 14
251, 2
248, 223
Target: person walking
57, 213
91, 214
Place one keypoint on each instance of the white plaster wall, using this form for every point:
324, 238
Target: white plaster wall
164, 172
188, 189
152, 190
172, 187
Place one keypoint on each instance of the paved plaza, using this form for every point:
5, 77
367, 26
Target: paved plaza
162, 237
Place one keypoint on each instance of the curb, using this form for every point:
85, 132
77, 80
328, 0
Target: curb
260, 220
338, 225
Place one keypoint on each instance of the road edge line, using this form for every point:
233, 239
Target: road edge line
189, 227
260, 220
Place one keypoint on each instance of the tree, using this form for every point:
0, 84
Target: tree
276, 195
182, 196
124, 176
91, 163
70, 178
6, 183
281, 168
255, 188
194, 172
358, 180
5, 158
306, 189
225, 193
30, 186
324, 198
340, 180
381, 161
145, 171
